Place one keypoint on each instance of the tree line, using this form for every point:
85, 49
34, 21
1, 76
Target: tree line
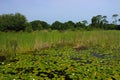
18, 22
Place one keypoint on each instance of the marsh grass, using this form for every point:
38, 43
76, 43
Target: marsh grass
23, 42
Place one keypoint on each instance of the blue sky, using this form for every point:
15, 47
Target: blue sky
61, 10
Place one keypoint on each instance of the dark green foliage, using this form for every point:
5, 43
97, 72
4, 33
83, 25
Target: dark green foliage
114, 16
80, 25
57, 25
12, 22
118, 27
63, 26
110, 27
28, 27
69, 25
45, 25
39, 25
99, 21
18, 22
36, 25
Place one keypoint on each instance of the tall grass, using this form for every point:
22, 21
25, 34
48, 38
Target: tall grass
22, 42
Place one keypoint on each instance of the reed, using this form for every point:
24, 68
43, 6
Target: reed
23, 42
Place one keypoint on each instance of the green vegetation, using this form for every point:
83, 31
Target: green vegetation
18, 22
12, 22
37, 50
60, 55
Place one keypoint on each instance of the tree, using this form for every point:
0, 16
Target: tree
99, 21
45, 25
1, 23
110, 27
95, 21
28, 27
36, 25
57, 25
19, 22
85, 22
114, 16
118, 20
99, 18
39, 25
80, 25
69, 25
104, 20
12, 22
6, 21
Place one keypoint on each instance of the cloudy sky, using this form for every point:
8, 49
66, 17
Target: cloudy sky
61, 10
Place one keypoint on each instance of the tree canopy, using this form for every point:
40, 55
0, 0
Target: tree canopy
12, 22
18, 22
